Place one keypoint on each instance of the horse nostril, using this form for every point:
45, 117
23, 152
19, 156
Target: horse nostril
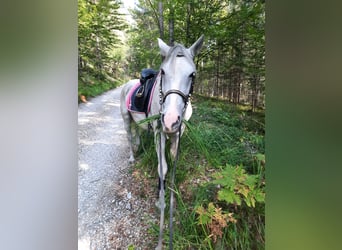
170, 122
176, 124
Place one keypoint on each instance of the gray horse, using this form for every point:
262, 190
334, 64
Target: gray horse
169, 99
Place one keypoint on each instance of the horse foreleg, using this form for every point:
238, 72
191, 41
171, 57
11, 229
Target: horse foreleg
175, 142
161, 221
162, 169
162, 165
174, 145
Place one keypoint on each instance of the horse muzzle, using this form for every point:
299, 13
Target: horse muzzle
171, 123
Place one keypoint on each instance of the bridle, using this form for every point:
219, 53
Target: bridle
162, 98
185, 97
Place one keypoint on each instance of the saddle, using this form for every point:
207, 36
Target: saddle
142, 95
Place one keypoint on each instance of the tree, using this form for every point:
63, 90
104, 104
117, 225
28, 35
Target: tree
98, 22
232, 62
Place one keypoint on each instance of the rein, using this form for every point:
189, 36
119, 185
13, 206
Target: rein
162, 98
172, 189
162, 190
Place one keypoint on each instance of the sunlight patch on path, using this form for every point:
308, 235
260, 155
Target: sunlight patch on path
84, 244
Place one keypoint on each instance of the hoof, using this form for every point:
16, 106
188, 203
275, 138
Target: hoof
131, 160
157, 204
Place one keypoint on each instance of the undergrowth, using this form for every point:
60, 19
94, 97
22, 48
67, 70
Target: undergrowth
220, 178
91, 84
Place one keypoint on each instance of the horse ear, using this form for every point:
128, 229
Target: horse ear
195, 48
164, 48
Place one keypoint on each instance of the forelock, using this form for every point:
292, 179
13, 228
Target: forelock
177, 51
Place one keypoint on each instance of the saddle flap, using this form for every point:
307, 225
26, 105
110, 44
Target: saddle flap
139, 99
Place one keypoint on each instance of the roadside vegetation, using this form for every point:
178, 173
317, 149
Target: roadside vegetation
91, 84
101, 49
220, 177
221, 204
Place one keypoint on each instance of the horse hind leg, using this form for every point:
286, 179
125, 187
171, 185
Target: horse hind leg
131, 159
128, 127
135, 137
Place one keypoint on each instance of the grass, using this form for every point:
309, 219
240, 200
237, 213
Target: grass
218, 134
91, 84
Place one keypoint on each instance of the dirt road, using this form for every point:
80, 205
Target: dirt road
110, 216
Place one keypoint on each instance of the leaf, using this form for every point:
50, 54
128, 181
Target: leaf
259, 196
244, 191
250, 181
237, 200
225, 181
248, 202
260, 157
252, 202
211, 209
203, 218
226, 195
226, 178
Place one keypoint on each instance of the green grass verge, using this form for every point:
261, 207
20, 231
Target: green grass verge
221, 139
91, 84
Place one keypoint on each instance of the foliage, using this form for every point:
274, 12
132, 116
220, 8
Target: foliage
237, 186
90, 86
131, 247
225, 133
99, 55
214, 219
232, 62
240, 192
217, 207
142, 39
98, 21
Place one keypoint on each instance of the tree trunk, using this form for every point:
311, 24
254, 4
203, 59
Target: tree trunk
161, 20
255, 91
98, 63
187, 27
236, 85
171, 26
80, 63
217, 73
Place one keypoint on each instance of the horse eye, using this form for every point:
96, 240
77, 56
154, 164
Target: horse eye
162, 71
193, 75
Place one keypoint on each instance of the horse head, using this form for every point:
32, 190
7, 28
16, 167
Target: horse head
178, 71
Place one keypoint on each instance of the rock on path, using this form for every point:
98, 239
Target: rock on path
110, 216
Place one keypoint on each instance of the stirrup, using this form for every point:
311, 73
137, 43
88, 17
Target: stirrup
140, 91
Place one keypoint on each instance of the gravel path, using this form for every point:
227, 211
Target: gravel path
111, 213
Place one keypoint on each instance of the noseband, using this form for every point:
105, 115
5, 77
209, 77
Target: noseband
162, 95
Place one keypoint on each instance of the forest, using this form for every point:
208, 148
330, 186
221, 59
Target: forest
231, 66
221, 204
